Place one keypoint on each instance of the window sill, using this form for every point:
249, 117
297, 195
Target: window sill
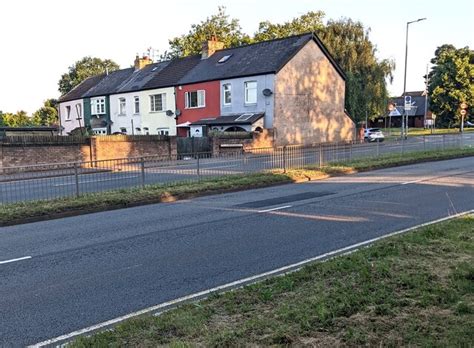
136, 115
157, 112
67, 120
122, 115
250, 104
195, 107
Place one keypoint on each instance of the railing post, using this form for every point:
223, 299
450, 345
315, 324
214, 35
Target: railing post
444, 140
284, 159
321, 154
350, 152
378, 148
142, 169
198, 169
424, 142
403, 145
76, 179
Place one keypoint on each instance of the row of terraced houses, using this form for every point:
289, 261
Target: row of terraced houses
291, 86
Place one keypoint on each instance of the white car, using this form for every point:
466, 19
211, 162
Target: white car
373, 134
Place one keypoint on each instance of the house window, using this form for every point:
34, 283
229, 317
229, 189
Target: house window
123, 130
157, 102
195, 99
68, 113
79, 111
146, 130
98, 106
136, 105
163, 131
138, 130
251, 92
227, 92
122, 106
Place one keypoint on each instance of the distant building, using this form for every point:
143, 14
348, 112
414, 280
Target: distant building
416, 115
40, 131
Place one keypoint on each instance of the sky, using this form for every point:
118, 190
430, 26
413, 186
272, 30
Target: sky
39, 40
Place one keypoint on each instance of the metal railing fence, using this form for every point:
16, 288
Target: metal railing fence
49, 181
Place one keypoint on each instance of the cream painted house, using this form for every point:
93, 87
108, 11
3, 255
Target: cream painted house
146, 102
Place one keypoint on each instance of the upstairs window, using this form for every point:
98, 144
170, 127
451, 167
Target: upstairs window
227, 93
98, 106
157, 102
68, 112
122, 106
195, 99
136, 105
251, 92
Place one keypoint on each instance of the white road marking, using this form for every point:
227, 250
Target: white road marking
99, 180
15, 260
273, 209
415, 181
239, 283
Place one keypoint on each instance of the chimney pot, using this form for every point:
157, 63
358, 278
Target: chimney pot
210, 47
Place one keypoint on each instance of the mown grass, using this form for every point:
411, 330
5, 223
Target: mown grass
422, 131
91, 202
415, 289
372, 163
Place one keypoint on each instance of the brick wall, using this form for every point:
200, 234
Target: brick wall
258, 140
36, 151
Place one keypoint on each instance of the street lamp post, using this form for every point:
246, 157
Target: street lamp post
405, 131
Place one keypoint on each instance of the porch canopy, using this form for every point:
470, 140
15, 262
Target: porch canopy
235, 122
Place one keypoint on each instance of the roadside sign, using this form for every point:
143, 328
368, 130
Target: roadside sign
407, 102
463, 112
463, 106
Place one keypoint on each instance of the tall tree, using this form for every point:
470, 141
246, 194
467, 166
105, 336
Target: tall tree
47, 115
20, 119
309, 22
219, 25
451, 82
366, 87
82, 69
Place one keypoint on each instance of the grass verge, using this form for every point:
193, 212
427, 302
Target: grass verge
415, 289
30, 211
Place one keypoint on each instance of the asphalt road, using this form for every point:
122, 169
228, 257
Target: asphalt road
88, 269
50, 184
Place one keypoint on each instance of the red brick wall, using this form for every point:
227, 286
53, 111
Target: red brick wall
98, 148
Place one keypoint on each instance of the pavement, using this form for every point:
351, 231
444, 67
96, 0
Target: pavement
122, 174
62, 275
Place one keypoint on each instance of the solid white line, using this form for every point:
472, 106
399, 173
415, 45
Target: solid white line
273, 209
15, 260
241, 282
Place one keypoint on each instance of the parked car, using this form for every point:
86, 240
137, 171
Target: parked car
468, 124
373, 134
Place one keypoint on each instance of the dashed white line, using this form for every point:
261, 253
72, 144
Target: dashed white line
15, 260
273, 209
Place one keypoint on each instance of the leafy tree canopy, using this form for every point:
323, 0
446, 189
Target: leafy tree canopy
47, 115
20, 119
82, 69
227, 30
451, 82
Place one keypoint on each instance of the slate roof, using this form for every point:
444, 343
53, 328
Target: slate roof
229, 119
82, 88
255, 59
110, 83
173, 72
139, 78
418, 103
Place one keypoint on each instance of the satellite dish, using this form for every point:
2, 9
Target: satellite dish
267, 92
178, 112
169, 113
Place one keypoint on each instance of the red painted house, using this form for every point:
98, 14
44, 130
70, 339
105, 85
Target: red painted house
196, 101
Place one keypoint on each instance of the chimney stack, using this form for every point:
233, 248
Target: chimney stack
211, 46
140, 63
